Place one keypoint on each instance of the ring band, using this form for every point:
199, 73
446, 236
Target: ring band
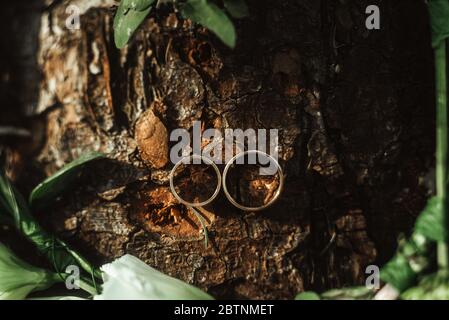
278, 191
217, 189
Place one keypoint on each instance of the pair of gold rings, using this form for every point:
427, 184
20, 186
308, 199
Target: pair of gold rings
221, 180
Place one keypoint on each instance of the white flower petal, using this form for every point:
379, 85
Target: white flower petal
130, 278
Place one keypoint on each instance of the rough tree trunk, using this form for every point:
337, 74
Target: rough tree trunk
353, 107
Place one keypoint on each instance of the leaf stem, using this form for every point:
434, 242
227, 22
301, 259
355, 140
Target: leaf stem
441, 143
87, 287
83, 283
203, 225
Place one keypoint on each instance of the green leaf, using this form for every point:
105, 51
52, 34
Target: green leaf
18, 278
15, 209
439, 20
350, 293
411, 259
127, 20
308, 295
431, 287
211, 17
398, 273
61, 180
430, 223
237, 8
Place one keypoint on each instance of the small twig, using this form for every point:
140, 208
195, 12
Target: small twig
14, 131
203, 225
329, 244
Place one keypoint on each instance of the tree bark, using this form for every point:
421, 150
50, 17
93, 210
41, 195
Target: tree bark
354, 110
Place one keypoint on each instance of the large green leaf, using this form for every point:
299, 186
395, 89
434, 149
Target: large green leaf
430, 223
411, 259
15, 211
128, 18
398, 273
413, 256
56, 184
430, 287
439, 19
349, 293
237, 8
211, 17
308, 295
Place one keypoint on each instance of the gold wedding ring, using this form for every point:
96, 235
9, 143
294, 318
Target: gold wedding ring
217, 189
221, 181
278, 191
